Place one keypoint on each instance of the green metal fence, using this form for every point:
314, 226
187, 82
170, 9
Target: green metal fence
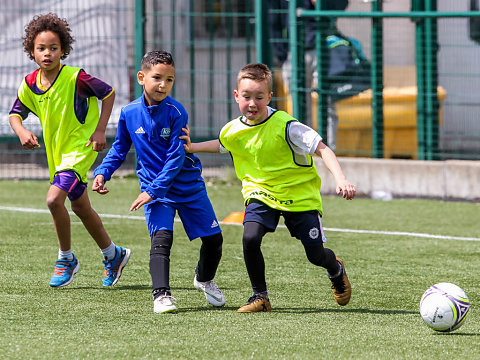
210, 41
388, 134
104, 37
411, 46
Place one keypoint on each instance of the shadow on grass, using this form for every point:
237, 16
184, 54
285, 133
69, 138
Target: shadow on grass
108, 288
132, 287
207, 308
188, 288
455, 334
125, 287
341, 310
300, 310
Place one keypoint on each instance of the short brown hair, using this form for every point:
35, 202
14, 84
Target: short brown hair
48, 22
257, 72
155, 57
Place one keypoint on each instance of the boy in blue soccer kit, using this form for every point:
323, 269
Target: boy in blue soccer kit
170, 180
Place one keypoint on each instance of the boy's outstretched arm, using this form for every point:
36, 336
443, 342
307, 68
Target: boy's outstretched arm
211, 146
330, 160
27, 139
98, 138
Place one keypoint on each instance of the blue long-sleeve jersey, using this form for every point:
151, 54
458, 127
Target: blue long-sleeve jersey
165, 172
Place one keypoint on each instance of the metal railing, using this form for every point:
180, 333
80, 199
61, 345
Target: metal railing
424, 16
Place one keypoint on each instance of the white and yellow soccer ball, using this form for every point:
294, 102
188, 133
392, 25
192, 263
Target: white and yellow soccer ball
444, 307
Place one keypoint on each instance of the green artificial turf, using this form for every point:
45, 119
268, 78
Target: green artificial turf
388, 272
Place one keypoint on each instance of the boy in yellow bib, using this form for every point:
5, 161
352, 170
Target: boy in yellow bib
272, 156
65, 100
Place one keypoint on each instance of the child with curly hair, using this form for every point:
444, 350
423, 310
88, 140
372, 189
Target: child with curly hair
64, 99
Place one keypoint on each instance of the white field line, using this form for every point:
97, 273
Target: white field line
376, 232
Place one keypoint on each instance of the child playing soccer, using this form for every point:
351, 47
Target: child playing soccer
169, 180
272, 156
64, 99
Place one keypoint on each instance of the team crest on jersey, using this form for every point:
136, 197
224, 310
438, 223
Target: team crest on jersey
165, 133
314, 233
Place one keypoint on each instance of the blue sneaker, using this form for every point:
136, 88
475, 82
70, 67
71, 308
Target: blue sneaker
64, 271
114, 267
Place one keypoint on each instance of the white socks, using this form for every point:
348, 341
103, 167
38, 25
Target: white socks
68, 255
109, 252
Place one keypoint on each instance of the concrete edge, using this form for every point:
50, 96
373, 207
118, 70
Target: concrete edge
449, 179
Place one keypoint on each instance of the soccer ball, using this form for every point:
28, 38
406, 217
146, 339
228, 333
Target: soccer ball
444, 307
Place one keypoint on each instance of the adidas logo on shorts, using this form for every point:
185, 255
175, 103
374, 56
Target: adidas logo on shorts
214, 224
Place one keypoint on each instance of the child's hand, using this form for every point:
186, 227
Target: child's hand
141, 200
99, 141
346, 189
99, 185
29, 140
188, 144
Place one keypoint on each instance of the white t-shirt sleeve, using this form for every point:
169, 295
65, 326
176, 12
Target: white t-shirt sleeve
222, 150
303, 138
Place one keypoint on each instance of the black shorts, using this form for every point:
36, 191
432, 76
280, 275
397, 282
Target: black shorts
305, 225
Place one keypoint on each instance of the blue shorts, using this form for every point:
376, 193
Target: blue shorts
304, 225
198, 217
68, 182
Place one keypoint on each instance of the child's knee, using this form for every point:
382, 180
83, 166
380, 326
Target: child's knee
252, 236
321, 256
251, 241
82, 210
316, 255
54, 201
213, 241
161, 243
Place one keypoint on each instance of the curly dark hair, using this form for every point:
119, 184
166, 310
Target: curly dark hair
48, 22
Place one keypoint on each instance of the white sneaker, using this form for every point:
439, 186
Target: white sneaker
164, 304
212, 292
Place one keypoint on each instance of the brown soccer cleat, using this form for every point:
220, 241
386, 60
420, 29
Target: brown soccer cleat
257, 303
342, 290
